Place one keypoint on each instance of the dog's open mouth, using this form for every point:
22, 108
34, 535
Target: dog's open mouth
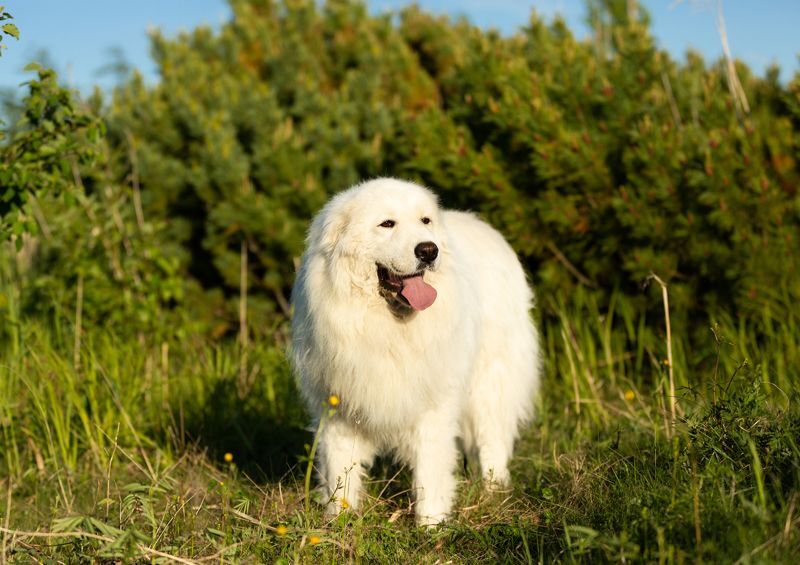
409, 289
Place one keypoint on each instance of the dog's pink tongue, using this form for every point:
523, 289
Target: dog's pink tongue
418, 293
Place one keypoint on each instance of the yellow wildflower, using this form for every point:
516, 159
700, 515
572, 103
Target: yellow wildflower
228, 457
314, 540
281, 530
333, 400
629, 395
345, 504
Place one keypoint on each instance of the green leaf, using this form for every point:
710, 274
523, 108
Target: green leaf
12, 30
66, 524
215, 532
104, 528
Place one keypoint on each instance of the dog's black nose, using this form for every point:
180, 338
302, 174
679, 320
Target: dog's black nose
426, 251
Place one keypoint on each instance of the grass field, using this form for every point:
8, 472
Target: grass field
117, 447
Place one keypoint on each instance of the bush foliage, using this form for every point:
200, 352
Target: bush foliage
73, 224
602, 160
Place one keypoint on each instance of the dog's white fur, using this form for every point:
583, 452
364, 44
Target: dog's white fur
467, 367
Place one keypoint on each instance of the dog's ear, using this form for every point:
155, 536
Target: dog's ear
327, 229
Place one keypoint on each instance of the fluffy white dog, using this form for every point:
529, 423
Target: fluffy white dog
418, 320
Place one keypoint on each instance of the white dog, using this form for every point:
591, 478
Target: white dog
417, 320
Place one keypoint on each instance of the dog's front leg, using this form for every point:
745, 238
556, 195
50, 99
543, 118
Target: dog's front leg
434, 460
344, 454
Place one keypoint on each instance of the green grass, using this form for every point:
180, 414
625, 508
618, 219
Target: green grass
112, 446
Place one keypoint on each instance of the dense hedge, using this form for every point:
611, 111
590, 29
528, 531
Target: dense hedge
602, 160
68, 224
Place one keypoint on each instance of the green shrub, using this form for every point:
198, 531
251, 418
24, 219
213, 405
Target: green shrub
54, 138
80, 246
601, 160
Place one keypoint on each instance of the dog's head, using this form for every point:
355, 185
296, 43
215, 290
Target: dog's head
383, 236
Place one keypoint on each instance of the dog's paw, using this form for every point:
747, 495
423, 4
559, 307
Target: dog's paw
431, 521
497, 479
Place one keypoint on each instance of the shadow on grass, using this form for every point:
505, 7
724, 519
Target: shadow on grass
264, 444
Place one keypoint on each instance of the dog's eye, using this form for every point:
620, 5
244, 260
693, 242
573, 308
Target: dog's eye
426, 221
387, 224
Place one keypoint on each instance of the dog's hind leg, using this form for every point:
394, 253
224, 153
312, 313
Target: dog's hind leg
492, 427
500, 399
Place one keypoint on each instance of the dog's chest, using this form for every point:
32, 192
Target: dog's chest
393, 374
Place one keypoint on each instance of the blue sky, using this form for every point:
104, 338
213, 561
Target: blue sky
79, 34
